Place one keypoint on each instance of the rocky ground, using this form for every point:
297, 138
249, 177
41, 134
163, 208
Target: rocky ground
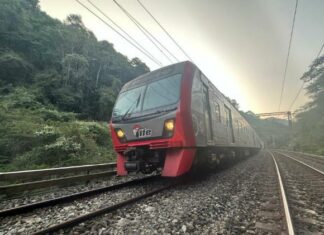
42, 218
227, 201
55, 192
314, 161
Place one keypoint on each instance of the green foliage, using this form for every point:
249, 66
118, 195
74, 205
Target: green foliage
65, 61
53, 75
275, 133
309, 128
34, 136
14, 69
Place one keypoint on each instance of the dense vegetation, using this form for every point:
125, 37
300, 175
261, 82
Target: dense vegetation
275, 133
308, 133
58, 84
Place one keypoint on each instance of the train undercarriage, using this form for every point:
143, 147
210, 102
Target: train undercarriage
145, 160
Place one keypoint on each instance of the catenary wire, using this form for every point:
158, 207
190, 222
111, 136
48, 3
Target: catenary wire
107, 24
166, 32
120, 28
147, 34
287, 59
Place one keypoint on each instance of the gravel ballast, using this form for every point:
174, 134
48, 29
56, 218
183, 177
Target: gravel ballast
45, 217
56, 192
305, 191
224, 202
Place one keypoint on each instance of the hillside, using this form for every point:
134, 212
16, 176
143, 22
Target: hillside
275, 133
58, 84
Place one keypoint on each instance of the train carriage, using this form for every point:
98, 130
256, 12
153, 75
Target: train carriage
162, 118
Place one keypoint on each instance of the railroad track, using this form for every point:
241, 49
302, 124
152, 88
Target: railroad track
301, 194
315, 161
10, 213
18, 182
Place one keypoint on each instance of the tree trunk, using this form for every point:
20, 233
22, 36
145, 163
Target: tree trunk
98, 75
68, 74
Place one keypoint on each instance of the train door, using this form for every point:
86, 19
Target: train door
207, 114
229, 123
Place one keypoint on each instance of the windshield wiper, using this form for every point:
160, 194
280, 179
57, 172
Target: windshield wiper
131, 108
159, 111
165, 110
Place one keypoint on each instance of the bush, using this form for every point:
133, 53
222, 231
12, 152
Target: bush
36, 137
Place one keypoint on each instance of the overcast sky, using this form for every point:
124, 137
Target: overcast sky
240, 45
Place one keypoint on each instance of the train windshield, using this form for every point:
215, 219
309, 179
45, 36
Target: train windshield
154, 97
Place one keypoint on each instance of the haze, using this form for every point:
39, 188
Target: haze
241, 46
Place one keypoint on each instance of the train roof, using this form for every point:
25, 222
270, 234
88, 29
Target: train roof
156, 74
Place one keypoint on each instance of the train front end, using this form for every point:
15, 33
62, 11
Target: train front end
151, 124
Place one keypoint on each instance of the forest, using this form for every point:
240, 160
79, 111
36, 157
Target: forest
58, 85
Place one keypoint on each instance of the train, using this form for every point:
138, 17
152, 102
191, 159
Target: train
163, 119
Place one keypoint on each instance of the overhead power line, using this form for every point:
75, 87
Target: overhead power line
302, 86
287, 60
120, 28
167, 33
297, 95
156, 61
147, 34
320, 51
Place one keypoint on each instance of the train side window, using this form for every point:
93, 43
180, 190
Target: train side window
217, 112
227, 121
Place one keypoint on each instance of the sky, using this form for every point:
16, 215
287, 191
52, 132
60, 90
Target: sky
240, 45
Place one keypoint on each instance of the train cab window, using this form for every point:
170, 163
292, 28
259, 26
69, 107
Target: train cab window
162, 92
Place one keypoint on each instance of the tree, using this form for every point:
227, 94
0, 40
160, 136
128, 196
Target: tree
64, 61
14, 69
309, 135
75, 69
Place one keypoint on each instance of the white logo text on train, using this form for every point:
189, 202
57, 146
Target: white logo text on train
141, 132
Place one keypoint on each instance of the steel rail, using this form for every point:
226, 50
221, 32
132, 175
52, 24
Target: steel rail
31, 174
105, 210
306, 154
289, 223
29, 207
303, 163
18, 188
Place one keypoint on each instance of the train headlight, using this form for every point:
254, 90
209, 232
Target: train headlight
169, 125
120, 133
